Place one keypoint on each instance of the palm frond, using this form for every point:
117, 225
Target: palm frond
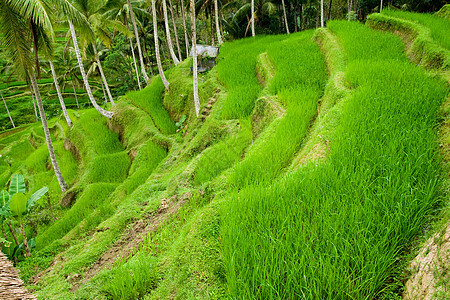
15, 38
37, 10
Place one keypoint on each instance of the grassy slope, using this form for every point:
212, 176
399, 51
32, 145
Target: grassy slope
332, 228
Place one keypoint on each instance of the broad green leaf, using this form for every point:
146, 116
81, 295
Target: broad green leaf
18, 204
17, 185
4, 198
35, 197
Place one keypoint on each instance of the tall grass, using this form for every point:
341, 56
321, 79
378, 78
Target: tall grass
299, 89
236, 70
438, 26
338, 230
150, 100
92, 197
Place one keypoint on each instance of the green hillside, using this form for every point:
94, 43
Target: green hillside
317, 166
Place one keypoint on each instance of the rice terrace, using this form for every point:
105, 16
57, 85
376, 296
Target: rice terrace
225, 149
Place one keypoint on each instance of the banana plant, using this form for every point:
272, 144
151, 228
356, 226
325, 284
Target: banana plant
16, 204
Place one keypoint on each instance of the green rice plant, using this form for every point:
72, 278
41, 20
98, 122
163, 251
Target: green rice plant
223, 155
421, 47
340, 229
299, 89
20, 151
149, 100
92, 197
147, 159
132, 279
236, 70
361, 42
91, 129
108, 168
438, 26
38, 160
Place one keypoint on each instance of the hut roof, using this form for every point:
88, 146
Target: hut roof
203, 50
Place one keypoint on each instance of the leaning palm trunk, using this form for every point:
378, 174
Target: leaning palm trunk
58, 91
158, 57
381, 6
48, 138
105, 83
175, 31
186, 39
216, 8
9, 115
194, 62
253, 17
169, 39
285, 17
75, 94
103, 112
141, 58
32, 99
135, 64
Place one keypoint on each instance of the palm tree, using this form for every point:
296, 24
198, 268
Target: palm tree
186, 39
60, 97
285, 18
219, 36
321, 13
158, 57
119, 12
141, 58
194, 59
103, 112
7, 110
15, 20
169, 39
175, 30
253, 18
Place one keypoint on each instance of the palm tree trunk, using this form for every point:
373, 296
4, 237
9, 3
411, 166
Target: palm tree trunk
186, 39
103, 112
329, 9
58, 91
175, 31
169, 39
104, 94
285, 17
32, 99
381, 6
75, 94
158, 57
253, 17
97, 58
321, 13
48, 138
216, 8
9, 115
194, 63
141, 58
135, 64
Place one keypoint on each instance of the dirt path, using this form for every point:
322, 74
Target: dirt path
11, 286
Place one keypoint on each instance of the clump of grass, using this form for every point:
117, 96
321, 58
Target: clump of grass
438, 26
92, 197
236, 70
223, 155
149, 100
338, 229
132, 279
109, 168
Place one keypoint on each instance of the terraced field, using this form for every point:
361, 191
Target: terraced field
312, 173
